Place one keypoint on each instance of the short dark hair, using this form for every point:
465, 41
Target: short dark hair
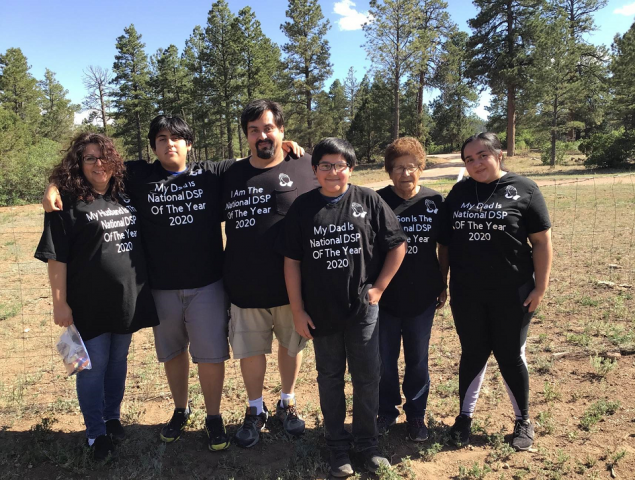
256, 108
175, 125
334, 146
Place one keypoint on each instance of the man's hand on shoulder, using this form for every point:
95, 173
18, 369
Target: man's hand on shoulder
293, 148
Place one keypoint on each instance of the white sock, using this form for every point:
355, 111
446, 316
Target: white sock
91, 441
256, 403
287, 396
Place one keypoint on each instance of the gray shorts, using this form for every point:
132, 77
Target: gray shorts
196, 317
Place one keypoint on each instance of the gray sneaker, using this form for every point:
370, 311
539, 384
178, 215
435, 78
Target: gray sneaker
288, 416
523, 437
373, 459
340, 464
249, 432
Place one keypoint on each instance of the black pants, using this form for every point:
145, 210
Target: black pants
492, 321
359, 345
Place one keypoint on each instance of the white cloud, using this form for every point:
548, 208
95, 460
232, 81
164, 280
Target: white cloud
626, 10
351, 18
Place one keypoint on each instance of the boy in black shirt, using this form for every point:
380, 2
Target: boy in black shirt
342, 246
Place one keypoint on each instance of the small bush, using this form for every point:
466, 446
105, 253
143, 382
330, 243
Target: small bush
608, 149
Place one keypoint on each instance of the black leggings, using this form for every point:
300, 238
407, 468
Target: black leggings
492, 321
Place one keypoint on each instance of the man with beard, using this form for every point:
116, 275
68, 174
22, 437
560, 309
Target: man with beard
257, 193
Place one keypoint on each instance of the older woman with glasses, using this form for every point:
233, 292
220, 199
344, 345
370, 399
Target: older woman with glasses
98, 276
407, 307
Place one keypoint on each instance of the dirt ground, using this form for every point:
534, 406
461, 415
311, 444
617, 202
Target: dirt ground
580, 351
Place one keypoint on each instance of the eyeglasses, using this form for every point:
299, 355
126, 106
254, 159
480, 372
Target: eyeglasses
90, 160
399, 169
327, 167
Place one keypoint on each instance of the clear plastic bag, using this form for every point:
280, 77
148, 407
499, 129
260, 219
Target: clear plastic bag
73, 351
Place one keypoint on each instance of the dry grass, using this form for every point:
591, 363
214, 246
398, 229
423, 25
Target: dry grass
580, 353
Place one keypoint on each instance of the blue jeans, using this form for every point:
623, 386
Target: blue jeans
100, 389
416, 383
359, 344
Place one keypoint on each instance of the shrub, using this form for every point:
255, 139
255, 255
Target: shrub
24, 174
608, 149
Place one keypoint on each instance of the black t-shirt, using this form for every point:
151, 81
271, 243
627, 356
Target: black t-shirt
255, 201
180, 217
341, 247
106, 281
418, 282
487, 237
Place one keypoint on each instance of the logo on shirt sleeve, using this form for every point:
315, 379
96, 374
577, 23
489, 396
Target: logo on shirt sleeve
124, 197
358, 210
196, 171
431, 207
285, 181
511, 192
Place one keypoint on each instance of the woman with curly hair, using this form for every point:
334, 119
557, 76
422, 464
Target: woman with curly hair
98, 276
407, 307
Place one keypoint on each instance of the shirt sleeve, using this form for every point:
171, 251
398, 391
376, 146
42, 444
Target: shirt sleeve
388, 228
54, 243
537, 216
218, 168
289, 241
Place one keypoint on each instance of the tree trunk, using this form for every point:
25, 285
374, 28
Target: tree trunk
240, 141
103, 109
230, 135
420, 103
139, 146
511, 120
309, 121
554, 124
395, 119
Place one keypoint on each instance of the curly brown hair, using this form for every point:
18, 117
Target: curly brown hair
68, 175
404, 146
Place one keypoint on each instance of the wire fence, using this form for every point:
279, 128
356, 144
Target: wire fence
591, 287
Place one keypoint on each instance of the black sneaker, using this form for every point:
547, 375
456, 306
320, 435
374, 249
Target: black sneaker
102, 448
288, 416
417, 430
115, 430
249, 432
217, 435
180, 419
460, 431
373, 459
523, 437
384, 423
340, 464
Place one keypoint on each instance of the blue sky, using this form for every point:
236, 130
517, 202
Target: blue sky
67, 36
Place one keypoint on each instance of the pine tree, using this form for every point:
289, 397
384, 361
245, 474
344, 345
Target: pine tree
132, 95
97, 83
171, 82
308, 54
435, 28
221, 59
394, 43
370, 130
500, 42
351, 87
19, 92
451, 110
623, 80
57, 111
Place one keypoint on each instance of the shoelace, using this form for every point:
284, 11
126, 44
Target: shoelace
521, 429
292, 412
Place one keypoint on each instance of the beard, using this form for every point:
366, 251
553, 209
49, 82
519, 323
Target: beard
265, 149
